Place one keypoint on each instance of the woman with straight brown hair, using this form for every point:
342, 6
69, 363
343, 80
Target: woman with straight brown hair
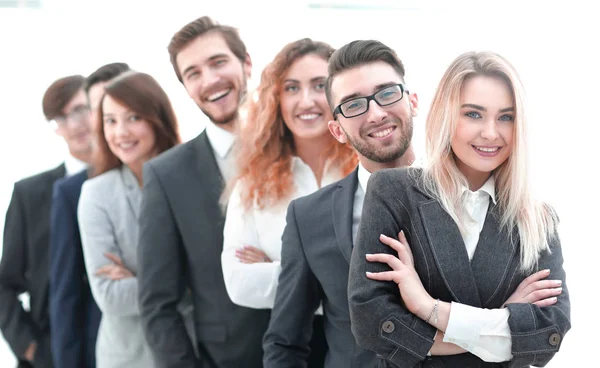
136, 123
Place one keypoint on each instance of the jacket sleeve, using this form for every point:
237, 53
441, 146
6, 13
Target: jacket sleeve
116, 297
537, 333
66, 283
249, 285
161, 265
286, 343
380, 321
16, 324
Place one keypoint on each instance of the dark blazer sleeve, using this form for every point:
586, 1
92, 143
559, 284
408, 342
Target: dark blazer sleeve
16, 324
286, 343
161, 261
67, 292
406, 339
537, 333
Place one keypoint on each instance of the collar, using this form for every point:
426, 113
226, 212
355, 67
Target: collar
74, 165
220, 139
488, 187
363, 177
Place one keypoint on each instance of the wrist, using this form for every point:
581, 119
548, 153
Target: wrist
425, 308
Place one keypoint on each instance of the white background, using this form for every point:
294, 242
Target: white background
550, 44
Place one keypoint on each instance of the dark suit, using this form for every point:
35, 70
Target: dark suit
317, 245
74, 315
380, 322
181, 239
24, 266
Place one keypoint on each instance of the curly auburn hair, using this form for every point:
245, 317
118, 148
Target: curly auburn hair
267, 148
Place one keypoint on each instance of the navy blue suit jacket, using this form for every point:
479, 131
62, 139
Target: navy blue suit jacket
74, 315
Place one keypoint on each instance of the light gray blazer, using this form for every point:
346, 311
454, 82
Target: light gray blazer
108, 219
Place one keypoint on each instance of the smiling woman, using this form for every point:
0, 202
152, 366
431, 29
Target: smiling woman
286, 152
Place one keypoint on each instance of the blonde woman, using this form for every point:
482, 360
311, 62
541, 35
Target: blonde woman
476, 278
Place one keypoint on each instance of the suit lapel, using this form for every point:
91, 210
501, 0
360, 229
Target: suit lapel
449, 252
493, 256
210, 177
132, 190
342, 211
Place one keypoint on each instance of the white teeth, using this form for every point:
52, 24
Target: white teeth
308, 116
486, 149
382, 133
217, 95
126, 145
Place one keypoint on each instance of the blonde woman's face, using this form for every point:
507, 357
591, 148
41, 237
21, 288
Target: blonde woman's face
483, 139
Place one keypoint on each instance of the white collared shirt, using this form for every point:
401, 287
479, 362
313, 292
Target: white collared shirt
74, 165
483, 332
222, 141
359, 198
254, 285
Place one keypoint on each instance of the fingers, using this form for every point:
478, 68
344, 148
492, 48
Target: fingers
542, 294
389, 259
384, 276
400, 248
546, 302
113, 258
104, 270
533, 278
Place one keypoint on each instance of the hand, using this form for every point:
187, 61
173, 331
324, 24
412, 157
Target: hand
116, 270
249, 254
536, 291
403, 273
30, 352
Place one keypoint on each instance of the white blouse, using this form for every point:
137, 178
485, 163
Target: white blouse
254, 285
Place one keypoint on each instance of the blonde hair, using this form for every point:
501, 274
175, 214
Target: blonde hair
535, 221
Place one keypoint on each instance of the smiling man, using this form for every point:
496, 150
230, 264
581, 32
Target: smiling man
24, 266
373, 111
181, 221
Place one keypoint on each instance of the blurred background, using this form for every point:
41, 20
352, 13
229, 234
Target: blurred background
550, 43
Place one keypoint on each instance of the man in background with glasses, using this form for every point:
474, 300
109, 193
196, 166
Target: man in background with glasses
373, 111
74, 315
24, 264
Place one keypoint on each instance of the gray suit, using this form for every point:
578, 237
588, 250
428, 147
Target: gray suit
395, 201
317, 245
108, 219
181, 239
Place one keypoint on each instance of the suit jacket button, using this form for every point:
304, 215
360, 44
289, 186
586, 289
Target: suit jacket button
388, 326
554, 339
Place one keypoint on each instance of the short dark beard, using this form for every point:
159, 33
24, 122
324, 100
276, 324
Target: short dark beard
390, 154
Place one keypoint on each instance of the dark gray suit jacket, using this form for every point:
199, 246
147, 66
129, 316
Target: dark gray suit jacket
395, 201
24, 266
180, 244
317, 244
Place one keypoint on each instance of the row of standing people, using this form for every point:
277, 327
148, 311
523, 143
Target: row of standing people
181, 284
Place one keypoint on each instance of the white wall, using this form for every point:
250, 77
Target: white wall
549, 43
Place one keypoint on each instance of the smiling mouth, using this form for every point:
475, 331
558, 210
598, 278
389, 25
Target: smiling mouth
308, 117
218, 95
382, 133
127, 146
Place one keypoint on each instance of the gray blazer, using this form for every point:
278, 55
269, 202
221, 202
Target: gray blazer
395, 201
108, 219
315, 257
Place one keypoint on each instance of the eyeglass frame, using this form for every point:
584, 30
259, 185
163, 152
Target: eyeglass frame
77, 114
338, 109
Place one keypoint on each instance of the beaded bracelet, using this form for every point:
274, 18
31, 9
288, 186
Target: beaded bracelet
434, 313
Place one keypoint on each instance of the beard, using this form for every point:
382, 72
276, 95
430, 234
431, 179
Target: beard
385, 154
232, 115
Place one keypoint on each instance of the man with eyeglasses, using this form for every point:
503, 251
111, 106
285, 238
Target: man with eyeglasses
24, 264
373, 111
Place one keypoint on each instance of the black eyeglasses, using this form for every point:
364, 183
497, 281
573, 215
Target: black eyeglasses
360, 105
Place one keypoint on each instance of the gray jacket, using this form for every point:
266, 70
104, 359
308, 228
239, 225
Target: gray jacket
108, 218
395, 201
